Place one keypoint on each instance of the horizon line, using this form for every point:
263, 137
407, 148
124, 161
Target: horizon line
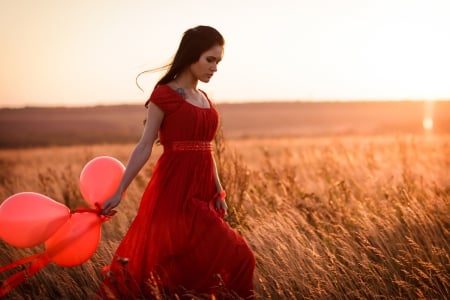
221, 102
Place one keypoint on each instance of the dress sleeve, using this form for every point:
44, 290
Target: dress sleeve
165, 99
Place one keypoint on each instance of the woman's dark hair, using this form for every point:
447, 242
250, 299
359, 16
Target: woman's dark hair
194, 42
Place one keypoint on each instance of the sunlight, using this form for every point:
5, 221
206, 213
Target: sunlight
427, 123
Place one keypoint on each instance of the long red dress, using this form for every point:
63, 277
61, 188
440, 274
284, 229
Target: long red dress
176, 242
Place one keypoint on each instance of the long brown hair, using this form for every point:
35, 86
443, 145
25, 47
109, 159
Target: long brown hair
194, 42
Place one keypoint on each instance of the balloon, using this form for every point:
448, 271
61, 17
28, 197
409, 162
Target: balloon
76, 241
100, 178
28, 219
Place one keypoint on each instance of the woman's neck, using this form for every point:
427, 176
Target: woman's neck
186, 81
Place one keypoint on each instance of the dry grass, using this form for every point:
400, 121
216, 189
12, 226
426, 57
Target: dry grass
328, 218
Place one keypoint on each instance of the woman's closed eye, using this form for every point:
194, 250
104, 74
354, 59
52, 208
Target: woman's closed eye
212, 59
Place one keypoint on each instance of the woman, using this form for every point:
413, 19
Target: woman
178, 241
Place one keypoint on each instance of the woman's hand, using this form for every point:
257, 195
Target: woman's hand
221, 206
111, 203
219, 203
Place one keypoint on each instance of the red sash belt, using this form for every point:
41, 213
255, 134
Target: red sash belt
188, 146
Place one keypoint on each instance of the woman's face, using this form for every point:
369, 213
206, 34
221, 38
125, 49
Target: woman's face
206, 65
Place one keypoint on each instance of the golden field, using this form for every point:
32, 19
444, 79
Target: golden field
329, 216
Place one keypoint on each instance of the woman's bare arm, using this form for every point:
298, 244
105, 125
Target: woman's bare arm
139, 156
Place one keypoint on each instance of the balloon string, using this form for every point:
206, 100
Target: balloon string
85, 209
38, 261
20, 262
97, 210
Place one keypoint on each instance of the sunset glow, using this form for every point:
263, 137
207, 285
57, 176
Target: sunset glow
427, 124
89, 52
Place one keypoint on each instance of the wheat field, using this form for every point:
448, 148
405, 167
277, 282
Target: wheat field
363, 217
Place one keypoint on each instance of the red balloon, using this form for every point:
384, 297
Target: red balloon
76, 241
100, 178
28, 219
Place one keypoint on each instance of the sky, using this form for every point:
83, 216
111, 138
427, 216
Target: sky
88, 52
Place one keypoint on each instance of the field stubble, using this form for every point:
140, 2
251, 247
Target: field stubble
328, 218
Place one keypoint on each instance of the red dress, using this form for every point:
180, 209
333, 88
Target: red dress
176, 242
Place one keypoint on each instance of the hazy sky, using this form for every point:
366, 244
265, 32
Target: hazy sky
88, 52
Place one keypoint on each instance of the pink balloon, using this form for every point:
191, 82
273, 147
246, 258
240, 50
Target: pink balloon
100, 178
28, 219
76, 241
